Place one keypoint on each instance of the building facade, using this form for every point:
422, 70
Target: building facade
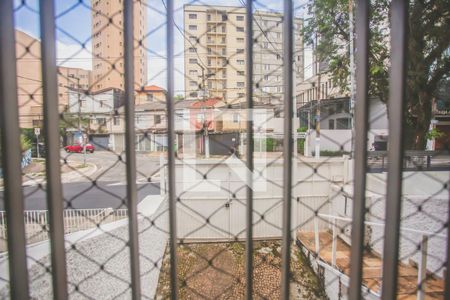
29, 81
215, 61
107, 44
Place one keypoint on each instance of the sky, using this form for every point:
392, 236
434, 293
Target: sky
73, 21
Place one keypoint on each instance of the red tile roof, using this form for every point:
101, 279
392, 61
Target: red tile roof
212, 102
153, 88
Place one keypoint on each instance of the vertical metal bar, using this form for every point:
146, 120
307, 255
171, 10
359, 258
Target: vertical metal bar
447, 264
422, 269
52, 159
316, 236
287, 144
130, 148
171, 151
250, 146
334, 244
361, 129
397, 81
11, 157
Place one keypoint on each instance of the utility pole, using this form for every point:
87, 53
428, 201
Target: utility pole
83, 136
205, 122
317, 67
352, 74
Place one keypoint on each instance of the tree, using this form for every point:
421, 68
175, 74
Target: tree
428, 54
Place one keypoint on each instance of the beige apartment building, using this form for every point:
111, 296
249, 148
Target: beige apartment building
107, 44
29, 81
215, 54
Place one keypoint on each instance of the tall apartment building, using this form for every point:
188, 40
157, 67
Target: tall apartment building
29, 81
215, 53
107, 44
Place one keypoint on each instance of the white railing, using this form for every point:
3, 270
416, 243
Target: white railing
37, 226
422, 262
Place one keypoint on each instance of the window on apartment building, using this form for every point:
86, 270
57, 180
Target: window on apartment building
224, 17
241, 95
209, 61
193, 72
192, 27
239, 50
192, 16
223, 40
266, 77
101, 121
224, 51
240, 29
240, 62
157, 119
102, 103
38, 123
193, 94
193, 83
239, 18
278, 56
192, 49
236, 118
278, 35
116, 121
343, 123
240, 84
82, 103
240, 73
266, 67
193, 38
209, 17
150, 97
210, 84
240, 40
265, 45
209, 51
192, 60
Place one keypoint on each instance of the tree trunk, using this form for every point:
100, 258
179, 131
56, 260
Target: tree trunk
418, 118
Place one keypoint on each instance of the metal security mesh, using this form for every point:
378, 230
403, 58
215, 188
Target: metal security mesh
209, 149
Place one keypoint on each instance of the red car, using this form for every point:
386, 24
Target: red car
78, 148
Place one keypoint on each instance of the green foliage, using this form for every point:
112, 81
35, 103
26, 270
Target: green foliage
25, 143
329, 153
428, 55
301, 142
434, 134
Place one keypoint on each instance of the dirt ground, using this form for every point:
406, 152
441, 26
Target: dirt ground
217, 271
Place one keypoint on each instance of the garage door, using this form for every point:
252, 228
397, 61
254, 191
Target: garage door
100, 142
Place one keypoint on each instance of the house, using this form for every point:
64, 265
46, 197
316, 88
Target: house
150, 94
98, 112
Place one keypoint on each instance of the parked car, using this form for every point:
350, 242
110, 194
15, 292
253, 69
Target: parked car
78, 148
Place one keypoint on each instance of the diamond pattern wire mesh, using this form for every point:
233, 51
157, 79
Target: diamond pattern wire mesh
210, 165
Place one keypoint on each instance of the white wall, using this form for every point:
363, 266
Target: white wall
99, 103
221, 197
338, 140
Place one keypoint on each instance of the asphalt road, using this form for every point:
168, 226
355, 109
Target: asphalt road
104, 188
87, 195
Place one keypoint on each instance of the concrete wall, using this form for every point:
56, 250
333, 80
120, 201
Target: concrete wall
338, 140
213, 208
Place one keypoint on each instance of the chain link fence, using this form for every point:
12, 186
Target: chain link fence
221, 150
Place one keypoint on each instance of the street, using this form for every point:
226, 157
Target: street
103, 187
